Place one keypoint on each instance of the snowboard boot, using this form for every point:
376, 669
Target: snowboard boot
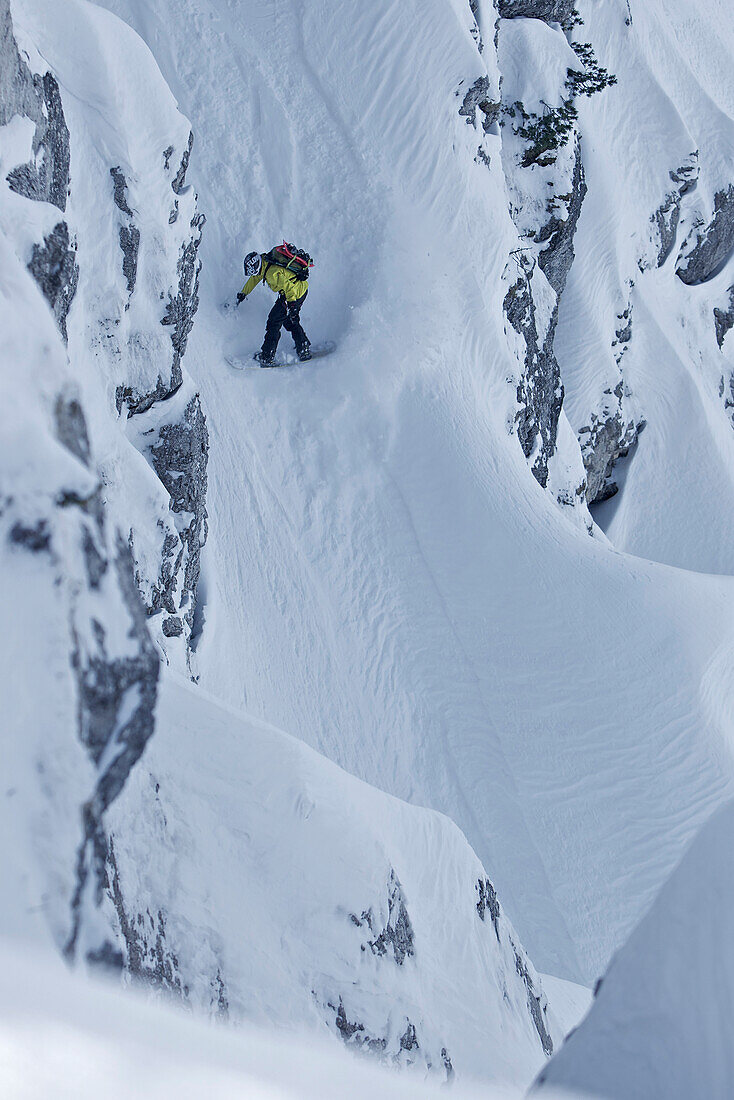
304, 352
264, 360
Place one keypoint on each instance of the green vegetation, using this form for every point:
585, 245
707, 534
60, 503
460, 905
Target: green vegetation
549, 132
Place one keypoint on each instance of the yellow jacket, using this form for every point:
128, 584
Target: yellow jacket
280, 281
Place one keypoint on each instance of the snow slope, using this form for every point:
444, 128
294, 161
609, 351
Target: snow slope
66, 1036
673, 106
259, 882
385, 580
280, 890
661, 1023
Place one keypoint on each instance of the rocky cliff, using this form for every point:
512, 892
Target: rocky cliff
102, 246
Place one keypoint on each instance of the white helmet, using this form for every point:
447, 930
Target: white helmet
253, 264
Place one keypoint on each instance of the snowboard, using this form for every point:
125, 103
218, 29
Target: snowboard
282, 359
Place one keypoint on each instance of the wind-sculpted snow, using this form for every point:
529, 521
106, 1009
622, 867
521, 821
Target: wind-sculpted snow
101, 536
657, 156
323, 902
388, 581
660, 1026
400, 572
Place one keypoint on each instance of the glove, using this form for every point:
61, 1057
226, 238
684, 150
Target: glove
240, 297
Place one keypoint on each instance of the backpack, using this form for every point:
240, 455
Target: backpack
291, 258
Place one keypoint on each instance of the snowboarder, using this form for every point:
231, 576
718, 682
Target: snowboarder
285, 269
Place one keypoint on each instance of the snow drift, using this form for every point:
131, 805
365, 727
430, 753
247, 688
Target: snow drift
661, 1022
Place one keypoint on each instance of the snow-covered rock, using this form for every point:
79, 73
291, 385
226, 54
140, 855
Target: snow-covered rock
77, 496
126, 261
552, 11
271, 886
657, 154
65, 1035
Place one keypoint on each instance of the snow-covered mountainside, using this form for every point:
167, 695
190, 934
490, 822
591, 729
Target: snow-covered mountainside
657, 1027
476, 563
63, 1035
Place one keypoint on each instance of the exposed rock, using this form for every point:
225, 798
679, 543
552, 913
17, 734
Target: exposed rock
147, 955
551, 11
96, 567
409, 1040
724, 318
713, 245
397, 934
181, 309
71, 428
220, 1001
46, 177
531, 308
352, 1031
116, 672
479, 98
179, 180
539, 392
162, 596
555, 260
53, 265
667, 217
179, 450
180, 312
129, 234
603, 442
130, 244
180, 458
119, 184
489, 903
173, 627
536, 1003
34, 538
623, 334
726, 391
391, 1048
116, 707
117, 695
612, 431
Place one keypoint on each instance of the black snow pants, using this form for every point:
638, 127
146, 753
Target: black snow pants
285, 315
